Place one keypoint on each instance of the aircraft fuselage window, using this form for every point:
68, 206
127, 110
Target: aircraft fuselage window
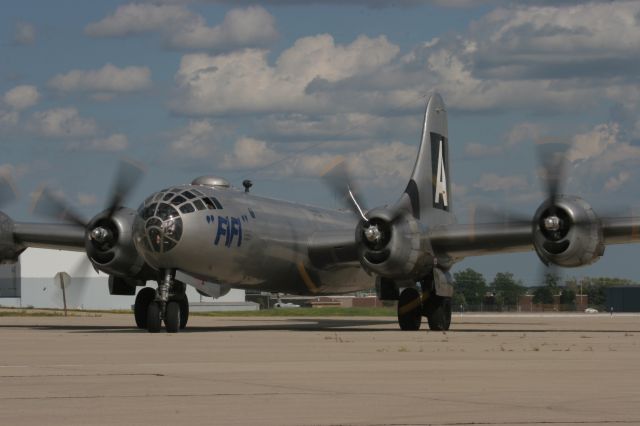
187, 208
199, 205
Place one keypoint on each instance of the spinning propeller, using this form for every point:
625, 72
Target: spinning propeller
340, 181
52, 205
102, 234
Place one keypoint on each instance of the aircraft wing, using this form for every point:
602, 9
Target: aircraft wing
49, 235
621, 230
459, 241
332, 247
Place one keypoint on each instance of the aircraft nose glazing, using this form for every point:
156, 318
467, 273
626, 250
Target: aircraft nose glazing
158, 227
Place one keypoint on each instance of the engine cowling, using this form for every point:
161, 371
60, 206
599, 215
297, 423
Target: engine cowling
398, 251
567, 232
109, 245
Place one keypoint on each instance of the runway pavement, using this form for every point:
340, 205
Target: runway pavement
491, 369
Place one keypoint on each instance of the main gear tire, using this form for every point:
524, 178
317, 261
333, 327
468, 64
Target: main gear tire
172, 317
141, 305
409, 310
438, 312
184, 310
154, 317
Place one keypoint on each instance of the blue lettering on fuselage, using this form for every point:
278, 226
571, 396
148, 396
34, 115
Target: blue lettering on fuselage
230, 229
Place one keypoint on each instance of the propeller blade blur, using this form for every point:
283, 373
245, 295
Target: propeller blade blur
53, 206
339, 180
552, 156
8, 191
129, 174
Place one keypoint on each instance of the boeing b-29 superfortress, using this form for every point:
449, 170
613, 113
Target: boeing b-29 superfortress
209, 232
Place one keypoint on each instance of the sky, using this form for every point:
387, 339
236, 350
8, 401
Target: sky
275, 91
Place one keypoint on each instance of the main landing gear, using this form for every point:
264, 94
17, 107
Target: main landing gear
412, 305
168, 304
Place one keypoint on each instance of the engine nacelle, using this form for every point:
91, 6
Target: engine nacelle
112, 250
567, 233
398, 251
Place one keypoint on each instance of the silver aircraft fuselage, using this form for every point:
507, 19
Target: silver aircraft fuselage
234, 238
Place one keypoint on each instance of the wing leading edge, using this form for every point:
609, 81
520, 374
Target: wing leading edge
49, 236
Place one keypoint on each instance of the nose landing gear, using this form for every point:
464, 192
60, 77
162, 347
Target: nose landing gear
168, 304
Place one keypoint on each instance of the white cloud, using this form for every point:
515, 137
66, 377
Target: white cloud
249, 153
109, 78
21, 97
557, 41
196, 140
136, 18
244, 81
615, 182
25, 33
8, 118
253, 26
593, 143
382, 165
61, 123
524, 132
13, 171
14, 102
182, 29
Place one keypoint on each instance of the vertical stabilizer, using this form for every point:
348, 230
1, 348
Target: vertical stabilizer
428, 193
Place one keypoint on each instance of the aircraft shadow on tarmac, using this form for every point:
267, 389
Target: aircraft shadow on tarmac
314, 324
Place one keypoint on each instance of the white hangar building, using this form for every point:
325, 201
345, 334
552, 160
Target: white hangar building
32, 283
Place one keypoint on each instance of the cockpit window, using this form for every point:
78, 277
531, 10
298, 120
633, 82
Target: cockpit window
165, 211
199, 205
189, 195
187, 208
168, 196
209, 203
216, 203
177, 200
195, 191
148, 211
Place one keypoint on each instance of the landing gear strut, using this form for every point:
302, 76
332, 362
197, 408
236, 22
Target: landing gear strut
169, 304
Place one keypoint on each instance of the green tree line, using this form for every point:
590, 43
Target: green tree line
472, 289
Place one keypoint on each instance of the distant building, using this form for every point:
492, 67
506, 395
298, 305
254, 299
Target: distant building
623, 298
31, 283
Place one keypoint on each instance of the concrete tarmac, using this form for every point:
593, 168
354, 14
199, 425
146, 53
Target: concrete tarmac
488, 370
